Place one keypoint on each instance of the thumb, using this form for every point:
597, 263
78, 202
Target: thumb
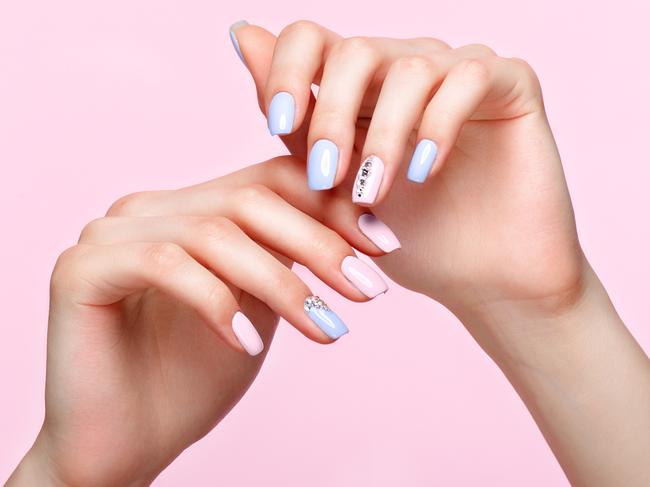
255, 46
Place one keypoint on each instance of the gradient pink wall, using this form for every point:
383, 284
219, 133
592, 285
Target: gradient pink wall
99, 99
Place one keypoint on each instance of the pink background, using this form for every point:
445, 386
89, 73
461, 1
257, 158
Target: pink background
99, 99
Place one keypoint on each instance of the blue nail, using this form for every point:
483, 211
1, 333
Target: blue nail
322, 164
233, 38
281, 113
422, 161
325, 318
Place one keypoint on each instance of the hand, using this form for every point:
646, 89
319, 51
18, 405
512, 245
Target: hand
492, 225
144, 356
490, 233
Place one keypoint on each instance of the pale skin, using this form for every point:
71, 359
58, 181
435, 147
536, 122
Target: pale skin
490, 235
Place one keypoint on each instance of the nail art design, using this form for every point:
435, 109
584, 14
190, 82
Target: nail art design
422, 161
322, 165
363, 277
282, 111
325, 318
378, 232
233, 38
368, 181
247, 334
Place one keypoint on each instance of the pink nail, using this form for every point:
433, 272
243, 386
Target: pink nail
378, 232
366, 185
247, 334
363, 277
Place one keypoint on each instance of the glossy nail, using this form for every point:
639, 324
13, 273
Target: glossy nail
322, 164
363, 277
422, 161
233, 37
378, 232
366, 186
281, 113
247, 334
324, 318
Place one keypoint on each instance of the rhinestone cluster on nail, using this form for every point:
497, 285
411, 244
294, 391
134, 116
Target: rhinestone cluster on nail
314, 302
363, 175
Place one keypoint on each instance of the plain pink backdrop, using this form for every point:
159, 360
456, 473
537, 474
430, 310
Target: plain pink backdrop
99, 99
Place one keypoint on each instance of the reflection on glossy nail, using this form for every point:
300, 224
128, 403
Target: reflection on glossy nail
322, 165
281, 113
422, 161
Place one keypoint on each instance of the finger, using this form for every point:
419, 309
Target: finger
226, 250
256, 46
405, 93
478, 89
350, 67
91, 275
297, 60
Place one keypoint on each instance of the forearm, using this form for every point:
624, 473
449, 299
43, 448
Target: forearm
584, 379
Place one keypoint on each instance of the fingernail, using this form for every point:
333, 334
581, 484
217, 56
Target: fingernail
363, 277
366, 185
281, 113
322, 164
233, 37
378, 232
247, 334
325, 318
422, 161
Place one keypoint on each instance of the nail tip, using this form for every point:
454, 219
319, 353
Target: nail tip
236, 25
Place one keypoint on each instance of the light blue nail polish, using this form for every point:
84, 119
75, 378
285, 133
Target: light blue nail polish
281, 113
325, 318
233, 38
322, 164
422, 160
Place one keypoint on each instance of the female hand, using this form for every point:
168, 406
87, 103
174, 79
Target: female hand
151, 313
490, 233
493, 221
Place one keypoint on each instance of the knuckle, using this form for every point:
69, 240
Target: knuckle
300, 27
414, 64
165, 256
217, 229
129, 205
475, 69
65, 268
526, 71
254, 194
91, 230
360, 47
482, 50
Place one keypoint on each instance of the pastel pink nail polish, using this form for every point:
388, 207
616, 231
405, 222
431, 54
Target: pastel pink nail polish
378, 232
247, 334
368, 181
363, 277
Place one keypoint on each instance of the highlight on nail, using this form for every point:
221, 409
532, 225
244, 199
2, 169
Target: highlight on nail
247, 335
378, 232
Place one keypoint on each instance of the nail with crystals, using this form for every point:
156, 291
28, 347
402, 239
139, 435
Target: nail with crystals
378, 232
324, 318
366, 186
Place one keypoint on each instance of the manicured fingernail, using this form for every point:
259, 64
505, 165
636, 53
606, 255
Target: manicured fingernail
378, 232
325, 318
233, 37
369, 176
363, 277
422, 160
281, 113
247, 334
322, 164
